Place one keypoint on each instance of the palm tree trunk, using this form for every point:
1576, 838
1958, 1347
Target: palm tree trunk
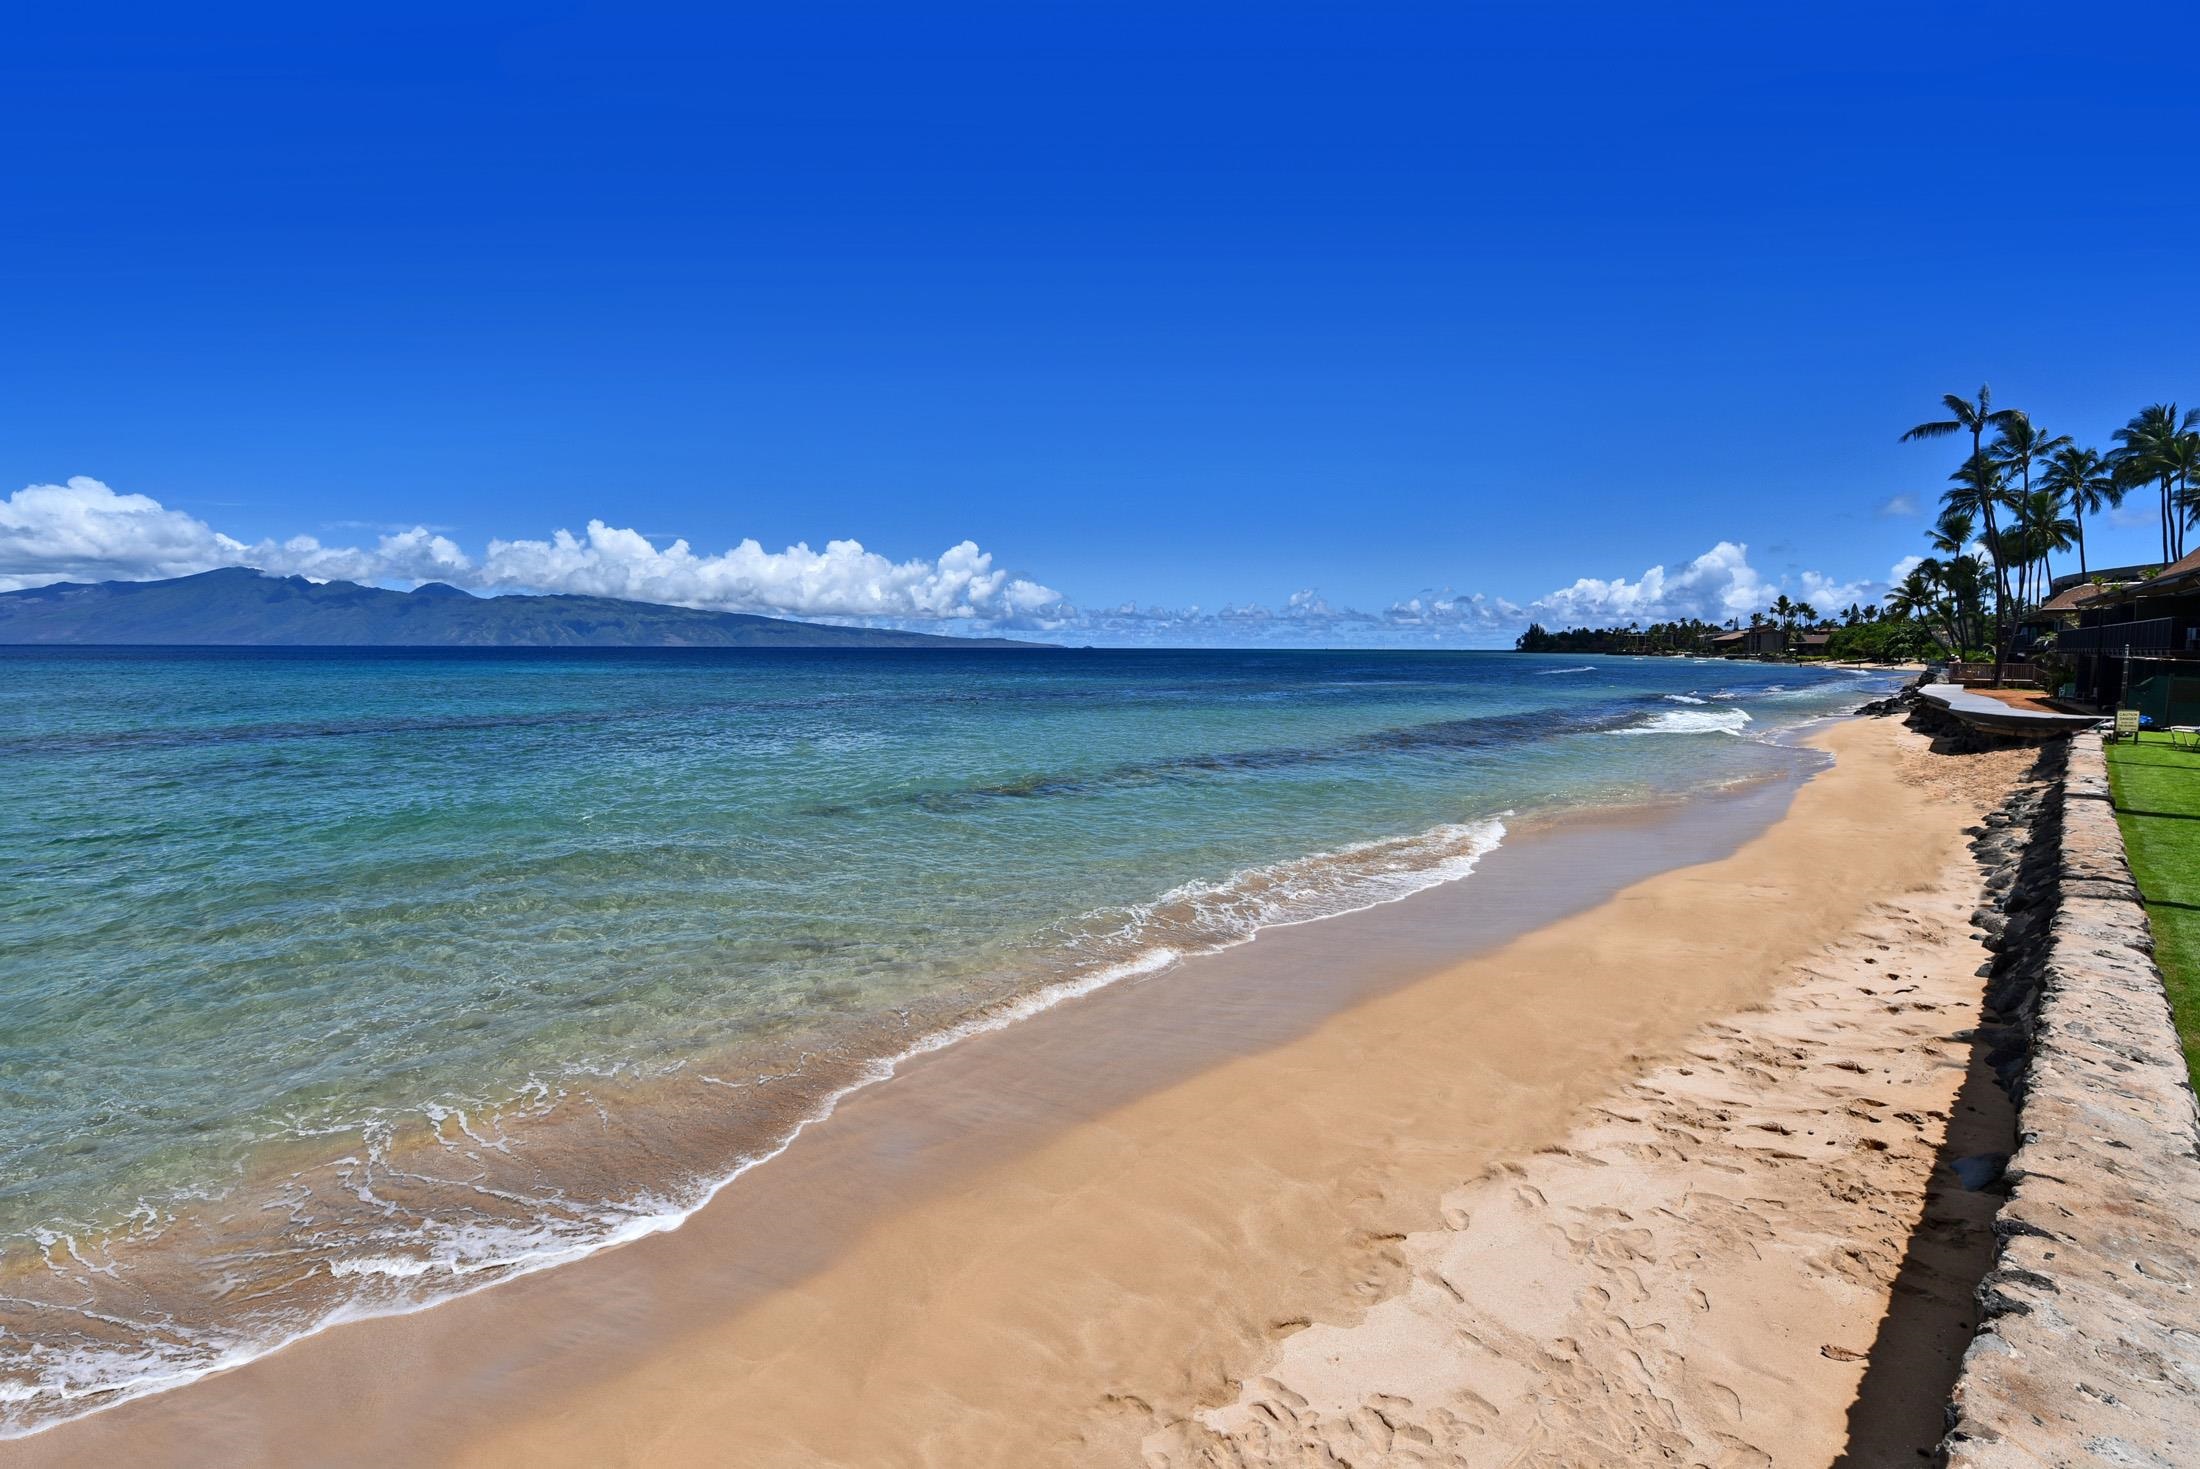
2001, 572
2183, 502
2077, 513
2001, 594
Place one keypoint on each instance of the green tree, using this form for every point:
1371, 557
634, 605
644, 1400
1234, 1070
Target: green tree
1976, 490
2022, 444
1975, 418
2046, 530
2084, 482
2154, 448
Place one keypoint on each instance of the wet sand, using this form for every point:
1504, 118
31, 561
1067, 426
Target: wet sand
1095, 1237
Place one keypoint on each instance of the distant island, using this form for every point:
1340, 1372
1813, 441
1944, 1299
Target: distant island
237, 606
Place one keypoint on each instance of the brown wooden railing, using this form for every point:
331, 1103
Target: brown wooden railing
1983, 673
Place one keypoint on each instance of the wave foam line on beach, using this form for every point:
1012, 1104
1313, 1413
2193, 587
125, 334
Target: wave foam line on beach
1691, 721
1125, 944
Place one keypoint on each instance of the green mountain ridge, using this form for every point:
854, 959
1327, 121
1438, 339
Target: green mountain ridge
239, 607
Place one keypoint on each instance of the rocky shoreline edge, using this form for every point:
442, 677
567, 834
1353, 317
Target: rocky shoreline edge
2088, 1344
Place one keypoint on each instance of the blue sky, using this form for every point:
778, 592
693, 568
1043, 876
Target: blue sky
1179, 306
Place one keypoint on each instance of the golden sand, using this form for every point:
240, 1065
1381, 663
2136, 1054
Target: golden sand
1640, 1182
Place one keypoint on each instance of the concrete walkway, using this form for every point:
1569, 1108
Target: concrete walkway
1995, 717
2088, 1347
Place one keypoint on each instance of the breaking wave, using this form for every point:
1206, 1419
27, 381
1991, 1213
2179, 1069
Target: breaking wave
1691, 721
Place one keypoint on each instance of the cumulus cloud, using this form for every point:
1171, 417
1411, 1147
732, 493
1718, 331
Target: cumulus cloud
1900, 505
1717, 585
86, 531
83, 530
843, 580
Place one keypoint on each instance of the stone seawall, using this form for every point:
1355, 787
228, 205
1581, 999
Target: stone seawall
2088, 1349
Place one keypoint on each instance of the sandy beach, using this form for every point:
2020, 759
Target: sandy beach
1658, 1181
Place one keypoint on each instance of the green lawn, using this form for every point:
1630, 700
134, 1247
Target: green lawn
2157, 793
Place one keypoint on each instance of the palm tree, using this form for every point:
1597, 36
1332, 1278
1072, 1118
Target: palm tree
1925, 598
1977, 489
1955, 572
1965, 415
1974, 493
1976, 418
1951, 535
2148, 449
2046, 529
2181, 458
1916, 595
1784, 610
2022, 444
2082, 481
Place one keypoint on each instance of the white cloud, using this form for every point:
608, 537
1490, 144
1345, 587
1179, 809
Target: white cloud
843, 580
1715, 586
85, 531
1830, 596
1900, 505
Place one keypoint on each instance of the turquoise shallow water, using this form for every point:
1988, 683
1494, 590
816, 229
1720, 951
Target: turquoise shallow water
338, 981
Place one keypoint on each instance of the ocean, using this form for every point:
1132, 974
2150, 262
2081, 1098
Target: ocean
338, 982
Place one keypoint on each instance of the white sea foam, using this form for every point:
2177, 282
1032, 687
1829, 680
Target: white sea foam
1584, 668
1202, 917
1691, 721
1686, 699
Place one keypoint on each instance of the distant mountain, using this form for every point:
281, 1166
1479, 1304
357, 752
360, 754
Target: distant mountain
239, 606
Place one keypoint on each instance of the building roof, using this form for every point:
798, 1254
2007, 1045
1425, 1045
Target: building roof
2084, 594
1811, 638
2070, 599
1731, 637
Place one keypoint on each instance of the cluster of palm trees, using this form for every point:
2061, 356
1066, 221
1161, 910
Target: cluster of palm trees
1690, 634
1788, 613
2022, 498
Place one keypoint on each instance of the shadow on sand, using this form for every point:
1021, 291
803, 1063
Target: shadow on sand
1899, 1414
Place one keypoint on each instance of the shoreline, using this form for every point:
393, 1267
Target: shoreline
396, 1357
665, 1116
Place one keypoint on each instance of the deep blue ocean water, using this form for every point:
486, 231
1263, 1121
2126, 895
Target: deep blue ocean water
336, 980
